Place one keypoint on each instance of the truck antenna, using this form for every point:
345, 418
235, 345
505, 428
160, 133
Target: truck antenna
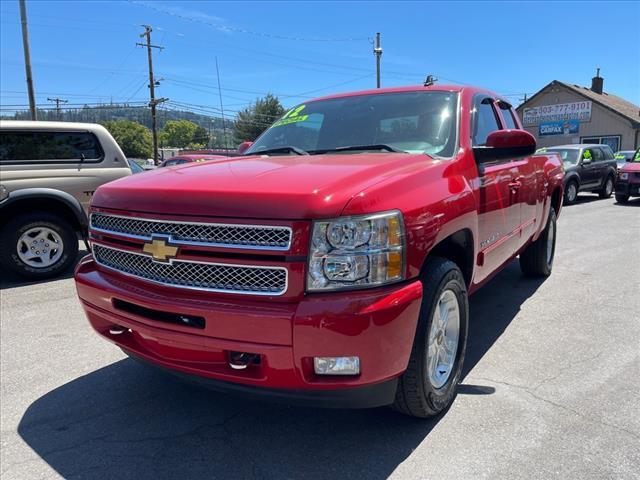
430, 80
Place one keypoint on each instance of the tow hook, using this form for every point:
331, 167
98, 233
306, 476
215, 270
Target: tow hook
241, 360
117, 330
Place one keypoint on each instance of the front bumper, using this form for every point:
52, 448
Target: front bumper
627, 188
377, 325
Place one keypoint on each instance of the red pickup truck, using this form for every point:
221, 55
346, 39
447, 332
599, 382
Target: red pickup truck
331, 264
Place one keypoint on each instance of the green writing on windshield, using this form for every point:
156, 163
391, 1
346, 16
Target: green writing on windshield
292, 116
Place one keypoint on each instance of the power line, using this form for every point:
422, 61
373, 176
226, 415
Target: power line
227, 28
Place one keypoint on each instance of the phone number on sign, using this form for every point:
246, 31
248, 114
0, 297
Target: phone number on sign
562, 111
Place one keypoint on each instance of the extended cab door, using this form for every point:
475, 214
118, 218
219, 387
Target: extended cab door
498, 209
525, 191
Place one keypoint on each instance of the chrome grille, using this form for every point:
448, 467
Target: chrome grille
217, 277
212, 234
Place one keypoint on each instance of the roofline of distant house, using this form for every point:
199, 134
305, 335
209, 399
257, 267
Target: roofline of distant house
634, 123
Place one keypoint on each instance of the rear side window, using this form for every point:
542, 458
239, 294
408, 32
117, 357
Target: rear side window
507, 117
27, 147
597, 154
484, 122
608, 153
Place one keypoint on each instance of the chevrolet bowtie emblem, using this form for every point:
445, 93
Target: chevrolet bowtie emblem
160, 250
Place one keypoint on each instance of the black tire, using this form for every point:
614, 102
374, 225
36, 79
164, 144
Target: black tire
416, 395
621, 198
607, 188
535, 260
16, 227
569, 197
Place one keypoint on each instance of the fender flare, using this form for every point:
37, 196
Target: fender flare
49, 193
572, 177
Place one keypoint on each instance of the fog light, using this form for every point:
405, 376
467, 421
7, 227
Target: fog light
336, 365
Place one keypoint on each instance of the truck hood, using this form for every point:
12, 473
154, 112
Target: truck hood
630, 167
277, 187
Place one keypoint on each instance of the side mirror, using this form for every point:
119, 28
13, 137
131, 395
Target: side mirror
506, 145
243, 147
586, 161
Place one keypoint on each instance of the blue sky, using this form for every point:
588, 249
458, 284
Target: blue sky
85, 51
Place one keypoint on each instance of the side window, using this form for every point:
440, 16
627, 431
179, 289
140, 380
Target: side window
507, 116
598, 156
608, 153
484, 122
25, 147
587, 154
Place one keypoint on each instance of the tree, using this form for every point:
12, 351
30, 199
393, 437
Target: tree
178, 133
256, 118
200, 137
134, 139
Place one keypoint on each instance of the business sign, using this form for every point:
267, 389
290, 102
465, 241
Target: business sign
568, 127
580, 111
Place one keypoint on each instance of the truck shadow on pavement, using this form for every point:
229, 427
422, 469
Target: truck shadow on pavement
128, 421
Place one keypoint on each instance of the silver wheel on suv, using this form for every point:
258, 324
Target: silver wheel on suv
571, 193
40, 247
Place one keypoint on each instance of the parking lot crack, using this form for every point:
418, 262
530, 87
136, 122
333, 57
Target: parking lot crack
533, 394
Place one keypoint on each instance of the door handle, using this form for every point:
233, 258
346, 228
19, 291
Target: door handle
515, 185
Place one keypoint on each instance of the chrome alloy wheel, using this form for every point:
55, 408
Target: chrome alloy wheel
551, 236
572, 192
443, 339
40, 247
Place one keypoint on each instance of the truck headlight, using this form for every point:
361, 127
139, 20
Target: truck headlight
624, 176
356, 252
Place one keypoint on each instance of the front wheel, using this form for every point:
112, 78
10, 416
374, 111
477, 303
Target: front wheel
429, 384
607, 188
37, 245
537, 259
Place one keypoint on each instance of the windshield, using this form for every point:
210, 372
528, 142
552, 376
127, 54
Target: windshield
414, 122
567, 155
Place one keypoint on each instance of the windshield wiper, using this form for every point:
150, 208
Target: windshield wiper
288, 149
378, 146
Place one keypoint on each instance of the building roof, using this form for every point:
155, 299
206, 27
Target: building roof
616, 104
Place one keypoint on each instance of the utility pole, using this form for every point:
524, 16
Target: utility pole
58, 101
152, 94
27, 59
377, 51
224, 123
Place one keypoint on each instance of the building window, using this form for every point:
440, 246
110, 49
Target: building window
612, 140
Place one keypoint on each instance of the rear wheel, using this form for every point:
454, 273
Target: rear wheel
620, 198
38, 245
429, 384
607, 188
570, 193
537, 259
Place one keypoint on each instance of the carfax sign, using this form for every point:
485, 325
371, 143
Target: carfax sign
580, 111
568, 127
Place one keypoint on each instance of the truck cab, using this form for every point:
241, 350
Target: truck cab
331, 264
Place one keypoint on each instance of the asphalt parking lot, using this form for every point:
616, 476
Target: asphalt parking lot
551, 390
